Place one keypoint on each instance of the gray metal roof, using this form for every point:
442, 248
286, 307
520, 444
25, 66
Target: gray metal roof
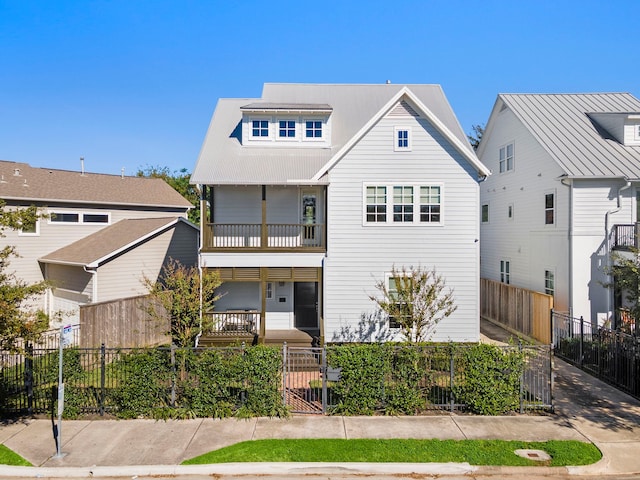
109, 241
222, 159
565, 126
20, 181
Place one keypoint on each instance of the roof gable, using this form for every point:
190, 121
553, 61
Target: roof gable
95, 249
572, 130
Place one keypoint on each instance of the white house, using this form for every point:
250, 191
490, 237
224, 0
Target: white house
564, 193
313, 193
99, 234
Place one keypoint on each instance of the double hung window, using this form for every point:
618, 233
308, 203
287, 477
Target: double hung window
506, 158
403, 204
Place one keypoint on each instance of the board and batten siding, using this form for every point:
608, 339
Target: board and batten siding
360, 255
530, 246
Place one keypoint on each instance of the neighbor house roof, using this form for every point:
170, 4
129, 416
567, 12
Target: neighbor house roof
20, 181
566, 127
95, 249
354, 109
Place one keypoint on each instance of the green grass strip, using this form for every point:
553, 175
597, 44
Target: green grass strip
475, 452
9, 457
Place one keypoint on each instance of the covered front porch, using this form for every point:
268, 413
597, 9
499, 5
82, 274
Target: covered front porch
269, 305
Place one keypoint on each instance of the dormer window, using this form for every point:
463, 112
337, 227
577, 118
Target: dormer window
287, 129
313, 129
260, 128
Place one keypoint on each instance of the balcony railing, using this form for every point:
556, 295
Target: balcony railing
271, 236
232, 323
625, 237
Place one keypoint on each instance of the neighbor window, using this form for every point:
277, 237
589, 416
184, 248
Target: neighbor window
95, 218
395, 321
510, 211
403, 204
549, 209
75, 217
62, 217
313, 129
506, 158
636, 132
403, 201
549, 282
376, 204
505, 275
286, 129
402, 139
260, 128
269, 292
485, 213
30, 228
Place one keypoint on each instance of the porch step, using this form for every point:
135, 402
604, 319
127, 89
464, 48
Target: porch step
294, 338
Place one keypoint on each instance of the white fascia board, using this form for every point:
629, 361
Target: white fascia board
430, 117
61, 262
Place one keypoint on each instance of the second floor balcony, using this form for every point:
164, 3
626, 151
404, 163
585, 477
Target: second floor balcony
625, 236
257, 237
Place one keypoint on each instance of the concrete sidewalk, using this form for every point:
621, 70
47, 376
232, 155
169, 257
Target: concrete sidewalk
587, 410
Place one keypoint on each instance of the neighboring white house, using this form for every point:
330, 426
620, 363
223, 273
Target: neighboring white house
100, 235
564, 193
313, 193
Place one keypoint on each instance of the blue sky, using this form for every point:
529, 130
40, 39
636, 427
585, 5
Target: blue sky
126, 84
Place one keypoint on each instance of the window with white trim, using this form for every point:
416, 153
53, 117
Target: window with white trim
30, 229
260, 128
398, 204
269, 291
506, 158
79, 218
430, 204
549, 282
376, 204
549, 209
394, 321
286, 129
403, 204
505, 274
402, 139
313, 129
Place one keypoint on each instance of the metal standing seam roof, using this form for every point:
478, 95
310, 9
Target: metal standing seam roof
223, 160
562, 125
109, 241
20, 181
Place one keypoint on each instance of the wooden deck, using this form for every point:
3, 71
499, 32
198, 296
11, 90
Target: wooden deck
294, 338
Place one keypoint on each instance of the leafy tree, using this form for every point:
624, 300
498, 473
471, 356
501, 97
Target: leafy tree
415, 300
476, 135
177, 294
179, 181
18, 320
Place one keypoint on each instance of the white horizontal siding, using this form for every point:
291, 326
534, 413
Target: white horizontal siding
359, 255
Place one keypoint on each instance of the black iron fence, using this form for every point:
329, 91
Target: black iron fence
165, 382
607, 354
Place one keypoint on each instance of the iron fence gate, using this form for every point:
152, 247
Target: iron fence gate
304, 379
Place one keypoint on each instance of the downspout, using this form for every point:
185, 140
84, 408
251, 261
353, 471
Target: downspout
94, 282
203, 222
570, 252
607, 237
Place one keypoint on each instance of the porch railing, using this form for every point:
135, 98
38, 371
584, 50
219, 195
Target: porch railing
270, 236
625, 237
232, 322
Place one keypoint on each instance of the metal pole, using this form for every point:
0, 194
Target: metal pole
324, 380
103, 367
60, 399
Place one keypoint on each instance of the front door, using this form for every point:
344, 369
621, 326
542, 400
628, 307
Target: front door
305, 305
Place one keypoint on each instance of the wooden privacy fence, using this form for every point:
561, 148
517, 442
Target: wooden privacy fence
519, 309
122, 323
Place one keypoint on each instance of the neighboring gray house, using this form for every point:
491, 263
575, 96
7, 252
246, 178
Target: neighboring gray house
312, 193
101, 233
564, 194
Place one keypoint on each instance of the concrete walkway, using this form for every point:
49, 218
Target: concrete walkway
586, 410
